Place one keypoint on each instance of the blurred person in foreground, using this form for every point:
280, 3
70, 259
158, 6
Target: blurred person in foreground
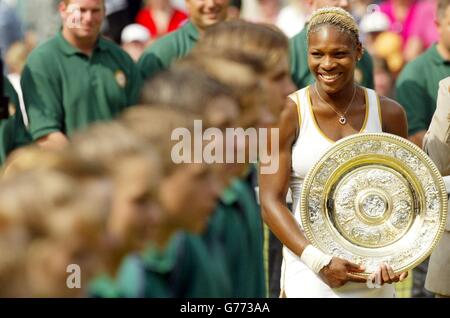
237, 220
134, 171
54, 207
176, 263
270, 46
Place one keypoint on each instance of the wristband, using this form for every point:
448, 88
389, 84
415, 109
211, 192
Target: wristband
315, 259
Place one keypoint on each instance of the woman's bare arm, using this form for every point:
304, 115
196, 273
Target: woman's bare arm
273, 191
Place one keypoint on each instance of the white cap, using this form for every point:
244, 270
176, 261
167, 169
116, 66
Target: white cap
376, 21
135, 32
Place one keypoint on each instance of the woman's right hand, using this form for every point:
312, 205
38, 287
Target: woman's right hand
340, 271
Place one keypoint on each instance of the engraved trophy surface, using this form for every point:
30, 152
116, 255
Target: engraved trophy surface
375, 198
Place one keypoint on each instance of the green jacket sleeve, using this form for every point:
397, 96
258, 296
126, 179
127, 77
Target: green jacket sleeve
159, 56
42, 97
134, 85
150, 64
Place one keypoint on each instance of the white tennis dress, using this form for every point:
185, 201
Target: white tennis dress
297, 279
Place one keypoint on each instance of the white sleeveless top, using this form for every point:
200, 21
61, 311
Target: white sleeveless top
310, 146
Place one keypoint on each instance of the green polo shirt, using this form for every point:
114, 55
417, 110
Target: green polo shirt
237, 224
186, 268
417, 87
165, 51
65, 90
13, 133
302, 76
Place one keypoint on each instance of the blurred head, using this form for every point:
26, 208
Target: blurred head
265, 43
240, 73
384, 82
136, 213
189, 195
12, 261
75, 237
333, 48
205, 13
234, 9
318, 4
28, 198
135, 173
82, 19
49, 206
135, 39
186, 89
16, 57
235, 70
443, 24
34, 158
188, 192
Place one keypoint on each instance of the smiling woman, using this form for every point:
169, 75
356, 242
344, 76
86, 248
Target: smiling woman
314, 118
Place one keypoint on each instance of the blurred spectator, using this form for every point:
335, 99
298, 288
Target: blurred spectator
77, 77
269, 10
15, 60
40, 17
13, 133
437, 145
135, 38
419, 80
119, 13
384, 83
372, 24
234, 10
423, 34
378, 40
178, 44
417, 88
388, 45
160, 17
292, 18
360, 8
408, 20
10, 27
437, 140
402, 14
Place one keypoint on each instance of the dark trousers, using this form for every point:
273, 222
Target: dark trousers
275, 260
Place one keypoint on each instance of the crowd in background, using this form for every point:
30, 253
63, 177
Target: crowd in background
394, 32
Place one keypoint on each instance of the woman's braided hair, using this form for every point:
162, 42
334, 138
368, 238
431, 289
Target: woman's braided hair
336, 17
